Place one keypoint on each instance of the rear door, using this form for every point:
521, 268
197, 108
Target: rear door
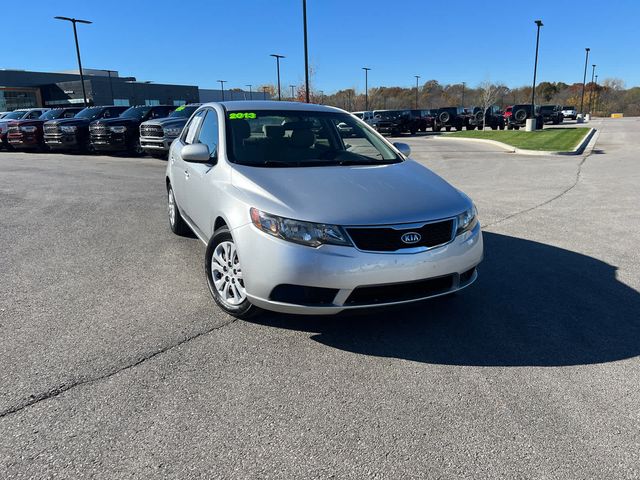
180, 175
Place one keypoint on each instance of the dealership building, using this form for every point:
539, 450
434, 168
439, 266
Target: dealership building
23, 89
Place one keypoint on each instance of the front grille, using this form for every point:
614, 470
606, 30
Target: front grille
400, 292
51, 129
389, 239
98, 129
301, 295
151, 131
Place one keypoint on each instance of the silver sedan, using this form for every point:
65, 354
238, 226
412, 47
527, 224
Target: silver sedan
306, 209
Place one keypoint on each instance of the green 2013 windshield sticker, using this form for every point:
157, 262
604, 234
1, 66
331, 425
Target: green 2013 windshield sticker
241, 115
180, 108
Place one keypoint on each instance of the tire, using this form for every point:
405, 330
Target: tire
516, 127
436, 128
221, 262
176, 222
509, 127
520, 115
448, 129
444, 117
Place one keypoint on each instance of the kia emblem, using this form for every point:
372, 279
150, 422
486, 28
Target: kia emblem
411, 237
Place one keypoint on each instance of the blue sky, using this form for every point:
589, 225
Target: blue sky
199, 42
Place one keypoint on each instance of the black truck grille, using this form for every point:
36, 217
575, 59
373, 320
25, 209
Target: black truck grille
51, 129
388, 239
151, 131
98, 129
400, 292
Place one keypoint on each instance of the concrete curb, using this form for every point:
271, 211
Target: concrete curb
511, 149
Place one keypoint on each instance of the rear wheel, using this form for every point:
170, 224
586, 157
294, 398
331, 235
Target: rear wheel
225, 276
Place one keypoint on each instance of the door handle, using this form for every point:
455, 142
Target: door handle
186, 174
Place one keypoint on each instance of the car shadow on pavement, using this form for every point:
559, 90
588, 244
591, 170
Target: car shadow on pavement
532, 305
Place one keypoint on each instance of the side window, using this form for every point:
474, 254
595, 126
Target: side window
209, 132
35, 114
69, 114
190, 132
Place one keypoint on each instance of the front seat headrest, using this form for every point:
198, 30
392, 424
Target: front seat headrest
302, 138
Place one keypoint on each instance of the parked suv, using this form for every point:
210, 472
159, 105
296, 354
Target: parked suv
344, 238
156, 135
395, 122
450, 117
493, 118
520, 114
28, 133
569, 112
123, 133
20, 114
73, 133
551, 114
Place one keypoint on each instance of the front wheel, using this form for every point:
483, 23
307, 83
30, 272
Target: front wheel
225, 276
176, 222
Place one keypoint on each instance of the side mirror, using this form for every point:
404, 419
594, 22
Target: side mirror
196, 152
403, 148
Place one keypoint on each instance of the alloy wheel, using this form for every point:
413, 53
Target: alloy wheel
227, 274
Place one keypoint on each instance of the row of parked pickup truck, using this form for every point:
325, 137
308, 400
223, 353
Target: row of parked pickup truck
395, 122
108, 128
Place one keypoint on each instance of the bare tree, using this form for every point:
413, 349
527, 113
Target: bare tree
489, 94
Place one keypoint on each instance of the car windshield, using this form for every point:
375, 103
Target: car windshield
183, 111
136, 112
90, 112
52, 114
271, 138
15, 115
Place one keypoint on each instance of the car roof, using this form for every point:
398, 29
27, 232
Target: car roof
248, 105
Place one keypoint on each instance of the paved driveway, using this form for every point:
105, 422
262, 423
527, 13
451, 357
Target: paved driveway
115, 363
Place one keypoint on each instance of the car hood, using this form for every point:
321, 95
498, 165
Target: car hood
69, 121
167, 122
32, 121
403, 192
112, 122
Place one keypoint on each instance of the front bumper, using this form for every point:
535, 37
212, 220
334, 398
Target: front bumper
23, 140
156, 143
111, 142
62, 141
268, 262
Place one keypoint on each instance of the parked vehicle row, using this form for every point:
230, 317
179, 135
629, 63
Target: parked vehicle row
109, 128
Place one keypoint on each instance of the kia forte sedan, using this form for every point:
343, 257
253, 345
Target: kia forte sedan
301, 217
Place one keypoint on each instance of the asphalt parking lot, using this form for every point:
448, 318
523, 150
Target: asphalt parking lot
117, 364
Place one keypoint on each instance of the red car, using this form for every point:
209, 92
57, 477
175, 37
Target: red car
28, 133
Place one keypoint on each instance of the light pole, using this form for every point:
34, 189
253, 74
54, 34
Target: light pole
109, 72
463, 85
535, 71
595, 104
278, 57
366, 87
306, 52
417, 78
584, 80
222, 82
75, 36
250, 93
593, 73
264, 93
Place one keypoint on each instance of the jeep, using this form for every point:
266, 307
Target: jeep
493, 118
551, 114
520, 114
448, 117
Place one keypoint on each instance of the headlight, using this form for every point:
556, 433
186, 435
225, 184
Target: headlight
305, 233
118, 129
467, 220
172, 132
69, 129
28, 129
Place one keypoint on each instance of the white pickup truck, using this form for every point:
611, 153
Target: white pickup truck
569, 112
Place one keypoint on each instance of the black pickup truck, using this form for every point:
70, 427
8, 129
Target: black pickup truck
123, 133
73, 133
493, 117
450, 117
